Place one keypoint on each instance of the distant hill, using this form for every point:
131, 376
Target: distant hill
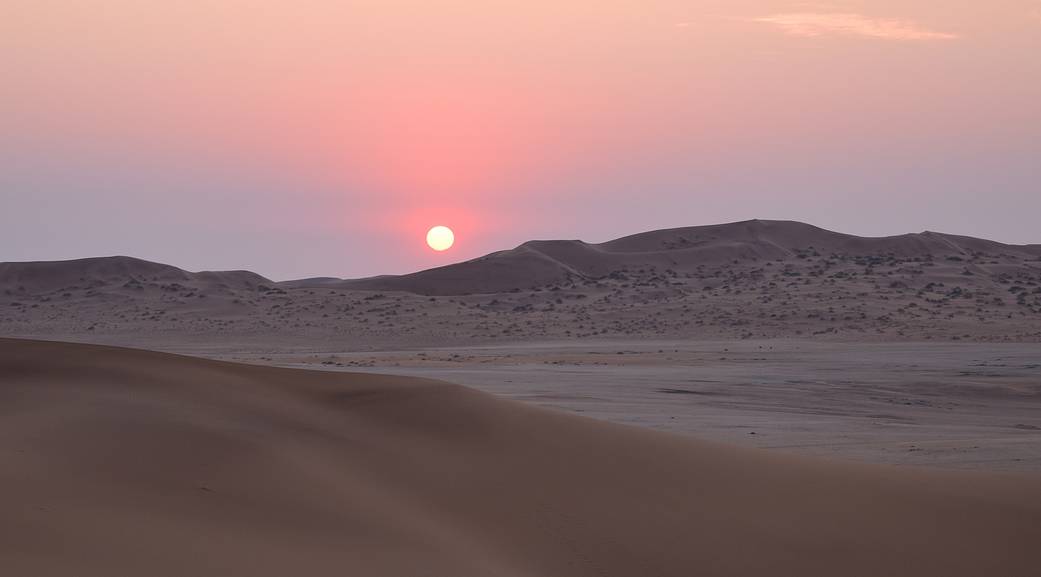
540, 263
753, 279
546, 262
92, 273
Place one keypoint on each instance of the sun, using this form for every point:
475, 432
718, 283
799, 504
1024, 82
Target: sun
440, 238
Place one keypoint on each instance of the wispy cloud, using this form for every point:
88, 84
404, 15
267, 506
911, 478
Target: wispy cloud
816, 24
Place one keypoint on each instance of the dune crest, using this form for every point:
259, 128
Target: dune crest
538, 263
49, 276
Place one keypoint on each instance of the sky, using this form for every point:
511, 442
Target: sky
324, 138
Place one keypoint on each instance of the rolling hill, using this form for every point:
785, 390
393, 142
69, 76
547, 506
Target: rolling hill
754, 279
540, 263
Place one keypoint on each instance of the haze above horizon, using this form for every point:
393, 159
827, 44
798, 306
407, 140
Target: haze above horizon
326, 138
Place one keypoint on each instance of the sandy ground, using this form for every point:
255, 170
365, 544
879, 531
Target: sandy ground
950, 405
920, 349
124, 462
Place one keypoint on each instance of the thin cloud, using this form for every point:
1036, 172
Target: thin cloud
817, 24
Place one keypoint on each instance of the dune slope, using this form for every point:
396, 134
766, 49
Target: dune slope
538, 263
125, 462
127, 272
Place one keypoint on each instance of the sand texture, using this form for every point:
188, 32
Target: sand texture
126, 462
952, 405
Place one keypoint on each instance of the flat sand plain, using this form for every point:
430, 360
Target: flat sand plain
949, 405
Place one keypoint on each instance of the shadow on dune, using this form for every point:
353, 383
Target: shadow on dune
126, 462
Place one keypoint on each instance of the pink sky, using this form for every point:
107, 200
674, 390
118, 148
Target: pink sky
321, 138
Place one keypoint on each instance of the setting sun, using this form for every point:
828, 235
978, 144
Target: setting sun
440, 238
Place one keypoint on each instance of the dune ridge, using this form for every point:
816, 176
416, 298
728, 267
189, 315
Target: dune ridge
541, 262
746, 280
49, 276
119, 461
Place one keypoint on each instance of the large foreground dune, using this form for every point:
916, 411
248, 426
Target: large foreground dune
125, 462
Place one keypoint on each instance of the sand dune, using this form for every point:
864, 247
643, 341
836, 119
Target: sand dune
522, 267
538, 263
125, 462
755, 279
50, 276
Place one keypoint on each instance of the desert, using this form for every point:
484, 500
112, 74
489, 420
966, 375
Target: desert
539, 288
747, 399
120, 461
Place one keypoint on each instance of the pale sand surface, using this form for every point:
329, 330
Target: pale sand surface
123, 462
950, 405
